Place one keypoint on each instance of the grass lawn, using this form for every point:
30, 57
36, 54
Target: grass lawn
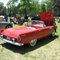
46, 49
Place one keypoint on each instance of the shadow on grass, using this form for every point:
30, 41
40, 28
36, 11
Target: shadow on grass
25, 49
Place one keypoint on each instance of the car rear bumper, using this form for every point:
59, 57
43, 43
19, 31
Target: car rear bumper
11, 42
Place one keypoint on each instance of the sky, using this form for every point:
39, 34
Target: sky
4, 1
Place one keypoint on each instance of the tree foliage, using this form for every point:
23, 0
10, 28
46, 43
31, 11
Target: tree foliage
2, 8
30, 7
12, 8
56, 6
25, 7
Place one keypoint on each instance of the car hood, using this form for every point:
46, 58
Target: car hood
15, 32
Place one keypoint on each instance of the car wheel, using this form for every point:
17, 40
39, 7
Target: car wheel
33, 42
53, 33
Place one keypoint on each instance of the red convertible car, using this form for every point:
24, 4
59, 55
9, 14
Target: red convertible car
29, 34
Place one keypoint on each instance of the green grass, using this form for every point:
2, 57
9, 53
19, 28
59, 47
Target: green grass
46, 49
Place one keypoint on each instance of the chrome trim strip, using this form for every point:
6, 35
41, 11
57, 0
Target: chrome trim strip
11, 42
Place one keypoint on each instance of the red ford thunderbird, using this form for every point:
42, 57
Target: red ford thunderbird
29, 34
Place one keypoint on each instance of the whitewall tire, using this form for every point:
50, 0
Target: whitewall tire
33, 42
53, 33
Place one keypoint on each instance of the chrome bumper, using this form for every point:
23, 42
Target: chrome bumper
11, 42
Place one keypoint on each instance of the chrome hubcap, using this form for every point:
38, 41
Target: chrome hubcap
33, 42
53, 33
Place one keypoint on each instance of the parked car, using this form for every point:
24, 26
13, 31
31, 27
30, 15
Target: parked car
4, 24
28, 34
35, 18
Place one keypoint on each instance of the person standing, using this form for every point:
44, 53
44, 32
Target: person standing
6, 18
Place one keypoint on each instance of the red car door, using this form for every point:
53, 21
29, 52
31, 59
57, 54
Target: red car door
40, 33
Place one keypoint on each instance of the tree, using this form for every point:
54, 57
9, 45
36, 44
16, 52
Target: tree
48, 5
1, 7
43, 8
24, 7
56, 6
29, 7
12, 8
